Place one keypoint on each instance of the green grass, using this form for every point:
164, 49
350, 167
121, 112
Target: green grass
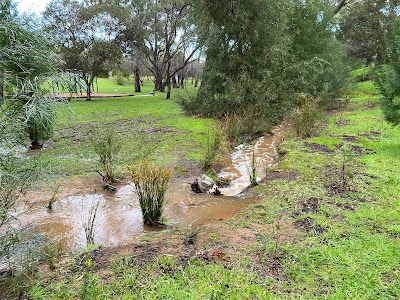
148, 126
167, 280
349, 251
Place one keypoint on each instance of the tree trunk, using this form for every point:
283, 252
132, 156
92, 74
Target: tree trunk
182, 82
88, 81
168, 78
158, 83
137, 79
1, 90
33, 136
174, 84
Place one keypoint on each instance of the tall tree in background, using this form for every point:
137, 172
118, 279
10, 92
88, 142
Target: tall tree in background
388, 75
86, 35
263, 56
363, 25
161, 30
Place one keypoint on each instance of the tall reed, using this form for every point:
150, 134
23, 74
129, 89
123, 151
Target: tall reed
89, 223
151, 182
214, 143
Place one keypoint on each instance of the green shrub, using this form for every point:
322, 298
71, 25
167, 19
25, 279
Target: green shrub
189, 104
306, 116
119, 78
107, 145
214, 143
151, 182
245, 125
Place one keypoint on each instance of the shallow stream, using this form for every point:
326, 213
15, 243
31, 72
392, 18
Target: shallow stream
119, 216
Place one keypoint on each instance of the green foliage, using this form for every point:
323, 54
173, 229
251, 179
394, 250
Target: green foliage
279, 50
214, 143
388, 76
151, 182
306, 116
25, 64
107, 145
244, 125
253, 170
363, 25
119, 78
362, 74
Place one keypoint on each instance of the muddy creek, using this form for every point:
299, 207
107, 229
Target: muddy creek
119, 217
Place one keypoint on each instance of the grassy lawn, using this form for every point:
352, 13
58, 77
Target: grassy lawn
326, 226
147, 126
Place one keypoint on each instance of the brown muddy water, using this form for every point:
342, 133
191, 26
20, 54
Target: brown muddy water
119, 217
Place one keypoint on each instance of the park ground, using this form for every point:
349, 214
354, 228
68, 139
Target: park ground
327, 224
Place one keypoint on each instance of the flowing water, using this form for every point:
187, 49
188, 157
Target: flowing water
119, 216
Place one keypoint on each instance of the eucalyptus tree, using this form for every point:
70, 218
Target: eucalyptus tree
85, 33
160, 31
263, 55
363, 25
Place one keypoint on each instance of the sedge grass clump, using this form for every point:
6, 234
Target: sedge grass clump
306, 117
151, 182
253, 169
107, 145
214, 143
244, 125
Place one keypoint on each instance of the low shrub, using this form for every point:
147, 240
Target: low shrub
151, 182
214, 143
107, 145
245, 125
119, 78
306, 116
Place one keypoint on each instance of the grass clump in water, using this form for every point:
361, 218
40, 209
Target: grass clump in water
151, 182
106, 145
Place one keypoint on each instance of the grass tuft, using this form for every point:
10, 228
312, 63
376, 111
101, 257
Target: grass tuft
151, 182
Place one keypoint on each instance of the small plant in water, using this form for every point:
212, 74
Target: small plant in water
89, 223
54, 192
253, 169
107, 145
151, 182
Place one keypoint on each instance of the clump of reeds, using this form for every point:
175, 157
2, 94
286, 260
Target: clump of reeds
214, 143
107, 145
253, 169
151, 182
89, 223
306, 117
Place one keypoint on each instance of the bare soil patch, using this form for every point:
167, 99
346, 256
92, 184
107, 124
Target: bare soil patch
280, 175
318, 147
308, 224
350, 138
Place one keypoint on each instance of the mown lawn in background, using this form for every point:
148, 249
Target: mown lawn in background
147, 126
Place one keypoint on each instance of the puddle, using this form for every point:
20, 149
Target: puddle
119, 217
